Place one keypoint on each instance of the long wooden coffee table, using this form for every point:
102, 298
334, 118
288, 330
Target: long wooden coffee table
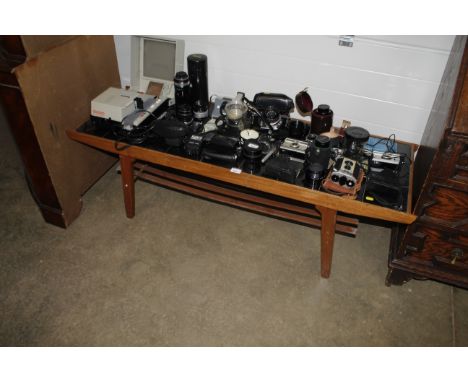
328, 212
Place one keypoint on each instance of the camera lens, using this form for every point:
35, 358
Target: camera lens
252, 153
184, 113
322, 141
355, 139
319, 151
182, 97
314, 174
182, 88
271, 115
311, 137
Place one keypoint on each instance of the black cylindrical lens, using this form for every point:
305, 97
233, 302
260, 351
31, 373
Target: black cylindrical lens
314, 173
184, 114
182, 97
182, 88
355, 139
319, 151
198, 74
252, 154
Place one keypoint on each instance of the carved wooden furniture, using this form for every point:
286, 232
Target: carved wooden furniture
435, 246
46, 86
243, 190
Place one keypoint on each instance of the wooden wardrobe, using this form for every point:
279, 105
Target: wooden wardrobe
435, 246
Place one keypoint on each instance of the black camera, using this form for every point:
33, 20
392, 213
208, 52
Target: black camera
193, 146
274, 108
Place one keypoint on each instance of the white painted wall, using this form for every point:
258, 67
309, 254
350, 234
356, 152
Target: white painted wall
386, 84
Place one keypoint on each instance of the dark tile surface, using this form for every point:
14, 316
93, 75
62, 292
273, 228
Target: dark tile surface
186, 271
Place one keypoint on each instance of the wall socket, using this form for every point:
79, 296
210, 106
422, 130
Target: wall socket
346, 40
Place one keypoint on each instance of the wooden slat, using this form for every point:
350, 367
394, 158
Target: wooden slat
236, 194
274, 187
315, 222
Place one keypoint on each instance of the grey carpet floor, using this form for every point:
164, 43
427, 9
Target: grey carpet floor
187, 272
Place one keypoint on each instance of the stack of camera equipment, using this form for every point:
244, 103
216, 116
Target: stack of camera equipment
260, 138
191, 101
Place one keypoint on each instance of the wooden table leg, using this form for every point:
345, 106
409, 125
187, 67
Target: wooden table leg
327, 239
128, 184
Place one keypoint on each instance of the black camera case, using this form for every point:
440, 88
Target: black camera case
283, 167
172, 130
221, 149
278, 102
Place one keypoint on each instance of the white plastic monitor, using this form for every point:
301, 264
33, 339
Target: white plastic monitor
155, 60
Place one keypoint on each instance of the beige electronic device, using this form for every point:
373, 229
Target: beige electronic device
121, 106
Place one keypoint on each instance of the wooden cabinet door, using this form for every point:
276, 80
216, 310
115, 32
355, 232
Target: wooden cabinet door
58, 86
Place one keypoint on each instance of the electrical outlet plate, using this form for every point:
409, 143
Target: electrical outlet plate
346, 40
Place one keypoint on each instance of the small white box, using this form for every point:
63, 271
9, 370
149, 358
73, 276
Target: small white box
116, 103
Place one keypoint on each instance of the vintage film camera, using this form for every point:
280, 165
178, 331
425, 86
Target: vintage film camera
347, 174
273, 108
288, 165
345, 178
294, 148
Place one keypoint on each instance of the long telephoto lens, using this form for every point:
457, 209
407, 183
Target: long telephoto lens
182, 97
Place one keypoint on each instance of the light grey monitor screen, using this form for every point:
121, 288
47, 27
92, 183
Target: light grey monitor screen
159, 59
